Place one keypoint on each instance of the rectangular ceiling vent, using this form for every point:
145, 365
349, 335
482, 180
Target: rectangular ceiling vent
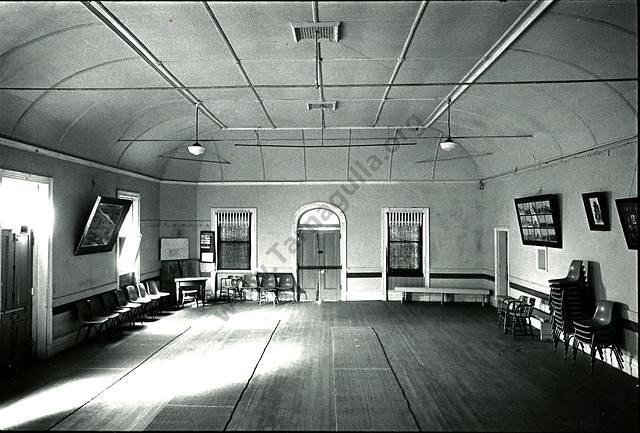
327, 105
330, 31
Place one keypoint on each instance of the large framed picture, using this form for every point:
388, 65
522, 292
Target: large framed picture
539, 220
103, 225
628, 213
597, 209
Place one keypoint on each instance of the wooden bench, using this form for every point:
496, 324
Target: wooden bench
443, 291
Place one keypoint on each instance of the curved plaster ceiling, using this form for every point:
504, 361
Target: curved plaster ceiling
70, 83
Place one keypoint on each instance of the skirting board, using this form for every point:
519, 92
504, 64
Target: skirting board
63, 342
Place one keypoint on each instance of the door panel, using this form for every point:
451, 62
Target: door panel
319, 264
17, 281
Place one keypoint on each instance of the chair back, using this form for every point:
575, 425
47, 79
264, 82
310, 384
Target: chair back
109, 301
604, 313
250, 281
286, 281
82, 308
121, 297
524, 309
142, 290
268, 281
152, 287
132, 292
95, 307
575, 271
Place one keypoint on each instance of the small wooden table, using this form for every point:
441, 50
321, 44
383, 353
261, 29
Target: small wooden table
443, 291
201, 282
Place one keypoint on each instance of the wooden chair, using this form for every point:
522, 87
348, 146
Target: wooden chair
518, 318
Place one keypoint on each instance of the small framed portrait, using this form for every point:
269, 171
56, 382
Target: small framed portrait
597, 208
628, 213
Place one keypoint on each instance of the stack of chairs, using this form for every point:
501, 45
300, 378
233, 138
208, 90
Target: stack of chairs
601, 331
568, 297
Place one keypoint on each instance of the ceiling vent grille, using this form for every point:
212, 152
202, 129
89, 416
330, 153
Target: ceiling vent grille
330, 31
327, 105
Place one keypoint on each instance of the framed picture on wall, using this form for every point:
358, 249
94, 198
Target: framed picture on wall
597, 209
539, 220
628, 213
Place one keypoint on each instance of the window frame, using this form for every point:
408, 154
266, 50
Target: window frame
252, 237
384, 228
136, 208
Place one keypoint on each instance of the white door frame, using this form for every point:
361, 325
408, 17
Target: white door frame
425, 245
343, 240
496, 257
42, 299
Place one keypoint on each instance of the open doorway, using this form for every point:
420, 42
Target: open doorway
26, 221
320, 252
501, 263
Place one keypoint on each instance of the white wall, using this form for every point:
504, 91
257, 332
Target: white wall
76, 277
455, 209
614, 266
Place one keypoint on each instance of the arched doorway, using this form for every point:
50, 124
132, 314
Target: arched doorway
320, 252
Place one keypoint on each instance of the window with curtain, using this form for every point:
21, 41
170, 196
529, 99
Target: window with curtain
234, 240
404, 249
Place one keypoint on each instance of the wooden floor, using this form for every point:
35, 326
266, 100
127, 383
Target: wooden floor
331, 366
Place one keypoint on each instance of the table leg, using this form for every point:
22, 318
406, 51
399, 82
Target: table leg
177, 292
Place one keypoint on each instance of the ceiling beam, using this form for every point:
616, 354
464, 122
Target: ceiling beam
237, 61
401, 58
519, 26
330, 86
127, 36
160, 140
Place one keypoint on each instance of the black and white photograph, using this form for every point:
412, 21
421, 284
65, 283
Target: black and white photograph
319, 216
596, 207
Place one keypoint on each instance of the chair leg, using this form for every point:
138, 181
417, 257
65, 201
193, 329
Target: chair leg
575, 350
78, 334
593, 357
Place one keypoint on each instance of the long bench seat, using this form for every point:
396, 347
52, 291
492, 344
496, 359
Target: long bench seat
443, 291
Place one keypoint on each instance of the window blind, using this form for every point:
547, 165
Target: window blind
405, 243
234, 240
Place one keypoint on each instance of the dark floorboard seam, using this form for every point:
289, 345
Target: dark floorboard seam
125, 375
404, 395
235, 406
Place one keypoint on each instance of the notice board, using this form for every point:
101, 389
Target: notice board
207, 246
174, 248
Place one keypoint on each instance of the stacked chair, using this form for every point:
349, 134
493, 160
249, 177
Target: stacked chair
601, 331
249, 283
152, 288
568, 297
107, 311
285, 284
267, 286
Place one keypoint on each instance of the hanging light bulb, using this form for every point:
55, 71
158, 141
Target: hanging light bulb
448, 144
196, 148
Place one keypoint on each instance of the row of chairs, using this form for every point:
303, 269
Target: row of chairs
269, 287
514, 315
107, 311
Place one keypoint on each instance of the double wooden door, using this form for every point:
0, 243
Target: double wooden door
16, 269
319, 265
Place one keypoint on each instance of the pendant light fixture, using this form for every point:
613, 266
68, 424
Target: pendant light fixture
448, 144
196, 148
